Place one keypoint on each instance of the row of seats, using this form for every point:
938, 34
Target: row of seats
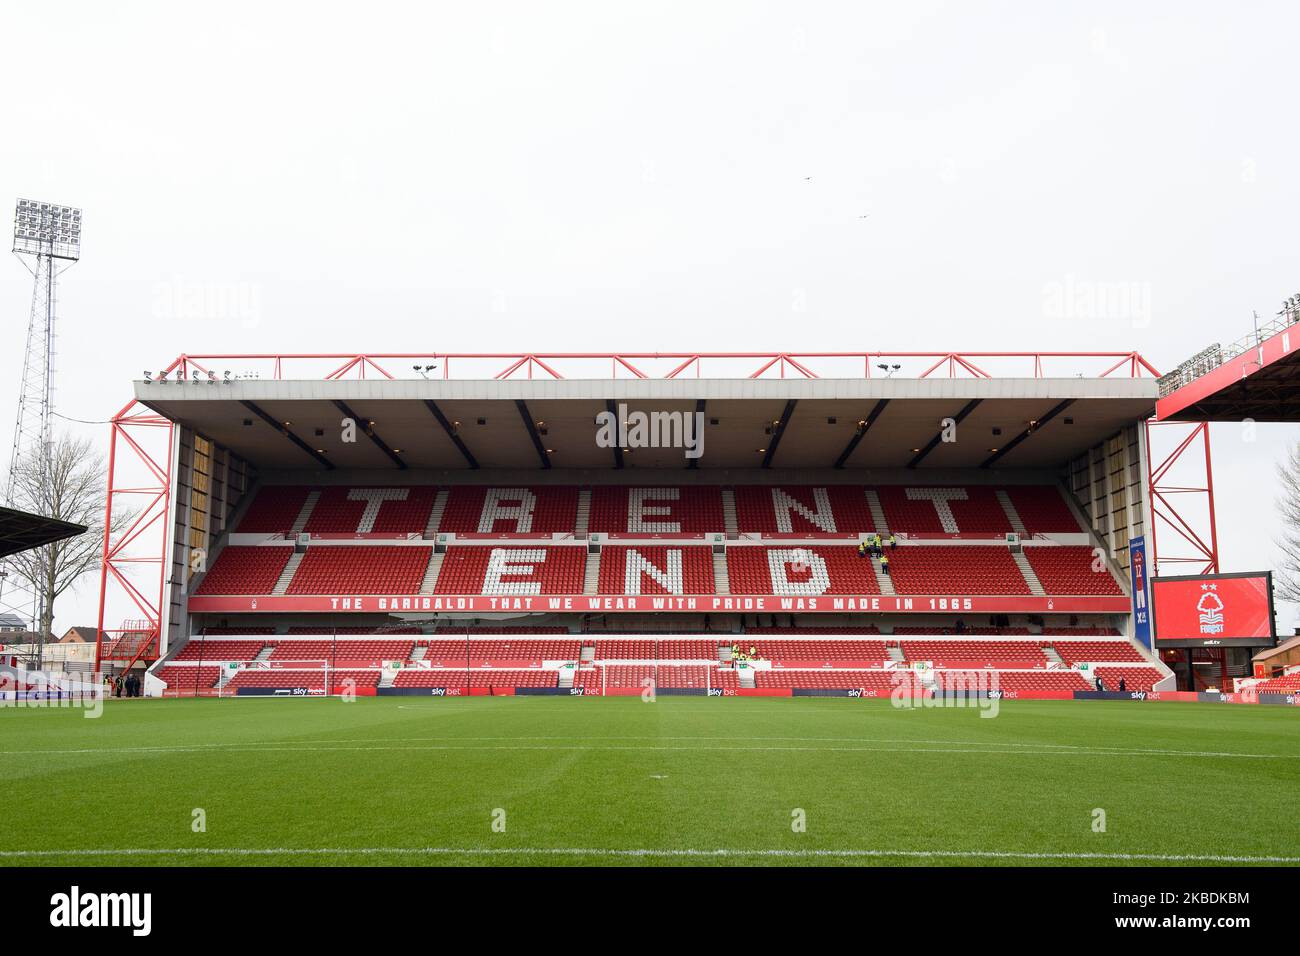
802, 571
383, 569
198, 649
942, 570
694, 509
452, 651
649, 650
877, 680
462, 677
371, 652
372, 510
512, 571
617, 509
189, 678
1083, 651
1286, 684
644, 676
315, 629
242, 569
975, 652
813, 650
313, 679
659, 569
482, 510
1071, 570
963, 629
639, 676
656, 570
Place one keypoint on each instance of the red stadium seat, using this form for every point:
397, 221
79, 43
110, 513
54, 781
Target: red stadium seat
800, 570
219, 649
527, 569
1042, 509
655, 510
1095, 651
476, 677
544, 510
973, 510
361, 569
181, 680
965, 569
974, 651
832, 509
243, 569
273, 510
1071, 570
650, 649
398, 510
648, 569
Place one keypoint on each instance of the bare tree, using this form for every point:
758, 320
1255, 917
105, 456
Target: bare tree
1287, 580
70, 487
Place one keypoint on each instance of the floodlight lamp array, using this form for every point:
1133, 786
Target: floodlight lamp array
44, 228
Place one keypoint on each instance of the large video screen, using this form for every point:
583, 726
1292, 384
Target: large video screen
1214, 610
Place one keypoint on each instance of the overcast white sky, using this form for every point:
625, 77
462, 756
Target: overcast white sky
596, 176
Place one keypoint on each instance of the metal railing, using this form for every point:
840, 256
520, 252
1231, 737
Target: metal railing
1210, 358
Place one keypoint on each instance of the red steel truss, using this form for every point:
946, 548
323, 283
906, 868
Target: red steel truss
139, 481
558, 365
145, 439
1167, 488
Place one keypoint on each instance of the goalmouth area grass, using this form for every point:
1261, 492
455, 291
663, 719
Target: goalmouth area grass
680, 781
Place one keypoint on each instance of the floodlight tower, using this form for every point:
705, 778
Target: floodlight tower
47, 240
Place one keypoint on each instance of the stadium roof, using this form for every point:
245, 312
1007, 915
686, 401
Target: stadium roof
790, 423
1257, 377
20, 531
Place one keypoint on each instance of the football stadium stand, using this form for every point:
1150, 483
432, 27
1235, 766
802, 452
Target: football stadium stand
827, 539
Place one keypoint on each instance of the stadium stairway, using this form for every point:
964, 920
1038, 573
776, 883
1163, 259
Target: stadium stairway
721, 583
877, 512
435, 514
729, 523
567, 675
591, 576
583, 520
883, 580
1017, 525
290, 569
1035, 586
431, 572
304, 514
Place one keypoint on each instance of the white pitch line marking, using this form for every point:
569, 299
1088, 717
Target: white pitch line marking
309, 747
649, 853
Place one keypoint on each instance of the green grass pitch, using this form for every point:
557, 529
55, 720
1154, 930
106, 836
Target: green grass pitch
415, 781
